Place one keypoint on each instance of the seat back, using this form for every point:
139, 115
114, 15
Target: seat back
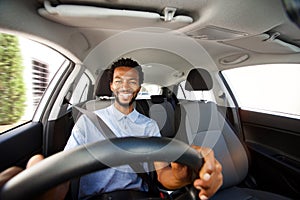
171, 97
102, 93
200, 123
159, 109
162, 111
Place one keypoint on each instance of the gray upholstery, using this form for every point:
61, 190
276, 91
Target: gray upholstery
205, 126
171, 97
200, 123
102, 88
102, 93
162, 112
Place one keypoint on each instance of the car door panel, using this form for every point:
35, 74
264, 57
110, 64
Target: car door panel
58, 132
19, 144
58, 129
273, 143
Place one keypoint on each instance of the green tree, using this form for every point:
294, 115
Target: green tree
12, 88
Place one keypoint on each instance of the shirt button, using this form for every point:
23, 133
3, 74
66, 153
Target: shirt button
125, 121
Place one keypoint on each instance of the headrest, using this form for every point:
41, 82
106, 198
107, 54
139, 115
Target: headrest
166, 92
157, 99
198, 79
102, 87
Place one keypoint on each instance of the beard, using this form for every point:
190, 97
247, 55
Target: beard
125, 105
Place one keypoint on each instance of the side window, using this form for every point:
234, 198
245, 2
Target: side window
81, 91
26, 69
193, 95
267, 88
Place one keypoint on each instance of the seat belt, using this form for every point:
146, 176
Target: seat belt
108, 133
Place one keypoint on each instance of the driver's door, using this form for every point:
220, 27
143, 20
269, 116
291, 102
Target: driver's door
25, 107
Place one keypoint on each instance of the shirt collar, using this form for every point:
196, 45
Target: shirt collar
132, 116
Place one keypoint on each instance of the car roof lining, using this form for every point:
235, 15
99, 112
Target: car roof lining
62, 37
120, 19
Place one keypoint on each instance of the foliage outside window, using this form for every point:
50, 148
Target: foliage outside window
12, 87
26, 69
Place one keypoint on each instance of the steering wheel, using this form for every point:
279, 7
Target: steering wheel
66, 165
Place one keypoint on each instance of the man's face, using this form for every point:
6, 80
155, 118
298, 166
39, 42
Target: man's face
125, 85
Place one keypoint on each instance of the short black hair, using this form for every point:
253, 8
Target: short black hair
126, 62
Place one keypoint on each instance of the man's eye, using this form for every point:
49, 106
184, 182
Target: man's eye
132, 82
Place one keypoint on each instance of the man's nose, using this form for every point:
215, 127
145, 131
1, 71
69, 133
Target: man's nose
125, 85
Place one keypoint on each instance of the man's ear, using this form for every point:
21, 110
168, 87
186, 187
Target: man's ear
110, 86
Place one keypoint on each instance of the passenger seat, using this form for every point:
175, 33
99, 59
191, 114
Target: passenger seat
200, 123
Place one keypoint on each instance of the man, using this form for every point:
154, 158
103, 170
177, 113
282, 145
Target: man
126, 77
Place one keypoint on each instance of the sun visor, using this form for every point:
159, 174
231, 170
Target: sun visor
98, 17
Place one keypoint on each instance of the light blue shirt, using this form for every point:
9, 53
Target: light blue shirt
118, 178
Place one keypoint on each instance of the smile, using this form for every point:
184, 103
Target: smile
125, 95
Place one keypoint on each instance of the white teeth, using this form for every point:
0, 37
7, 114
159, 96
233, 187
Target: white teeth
126, 95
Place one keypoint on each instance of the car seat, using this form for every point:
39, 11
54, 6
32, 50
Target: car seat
200, 123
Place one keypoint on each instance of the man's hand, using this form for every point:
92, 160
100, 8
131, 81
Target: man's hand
208, 182
59, 192
9, 173
181, 172
210, 176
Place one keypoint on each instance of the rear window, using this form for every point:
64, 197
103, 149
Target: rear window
147, 90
